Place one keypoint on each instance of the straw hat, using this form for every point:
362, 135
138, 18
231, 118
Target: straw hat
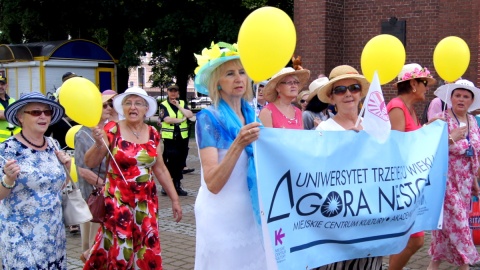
107, 95
414, 71
340, 73
315, 86
269, 91
152, 103
37, 97
444, 92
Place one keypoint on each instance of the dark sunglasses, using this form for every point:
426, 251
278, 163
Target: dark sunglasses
109, 103
302, 101
425, 82
341, 90
38, 112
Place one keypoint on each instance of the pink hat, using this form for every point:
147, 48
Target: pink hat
108, 94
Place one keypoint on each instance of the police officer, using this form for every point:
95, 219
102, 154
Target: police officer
173, 114
6, 129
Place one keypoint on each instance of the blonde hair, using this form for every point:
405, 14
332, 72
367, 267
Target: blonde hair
213, 90
300, 95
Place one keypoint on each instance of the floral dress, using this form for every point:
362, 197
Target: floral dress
453, 243
129, 237
32, 232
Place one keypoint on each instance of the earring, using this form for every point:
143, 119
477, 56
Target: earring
414, 90
219, 88
335, 107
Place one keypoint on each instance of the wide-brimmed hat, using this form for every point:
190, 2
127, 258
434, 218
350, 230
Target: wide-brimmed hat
414, 71
444, 92
118, 100
340, 73
33, 97
269, 91
107, 95
315, 86
209, 60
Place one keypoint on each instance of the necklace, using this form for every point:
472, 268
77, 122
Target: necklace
138, 133
37, 146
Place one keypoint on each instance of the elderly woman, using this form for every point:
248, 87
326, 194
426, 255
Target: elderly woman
412, 85
129, 236
453, 243
279, 92
32, 232
88, 178
228, 236
345, 90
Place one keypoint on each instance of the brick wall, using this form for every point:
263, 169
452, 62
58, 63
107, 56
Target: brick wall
331, 33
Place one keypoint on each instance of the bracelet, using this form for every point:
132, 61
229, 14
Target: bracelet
5, 185
450, 138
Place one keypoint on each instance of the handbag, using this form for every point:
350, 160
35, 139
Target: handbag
96, 204
75, 209
96, 199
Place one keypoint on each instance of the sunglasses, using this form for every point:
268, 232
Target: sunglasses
302, 101
108, 103
341, 90
38, 112
425, 82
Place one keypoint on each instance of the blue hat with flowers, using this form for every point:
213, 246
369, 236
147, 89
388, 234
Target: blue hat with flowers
209, 60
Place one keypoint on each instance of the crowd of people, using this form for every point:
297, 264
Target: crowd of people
122, 156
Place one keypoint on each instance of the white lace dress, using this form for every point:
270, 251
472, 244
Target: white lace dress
227, 235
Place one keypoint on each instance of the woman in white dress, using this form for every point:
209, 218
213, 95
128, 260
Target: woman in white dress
227, 217
345, 90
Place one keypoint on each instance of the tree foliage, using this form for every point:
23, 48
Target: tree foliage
171, 29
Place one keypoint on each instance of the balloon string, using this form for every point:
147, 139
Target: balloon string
114, 161
255, 101
446, 99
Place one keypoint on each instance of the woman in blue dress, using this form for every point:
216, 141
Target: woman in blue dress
32, 232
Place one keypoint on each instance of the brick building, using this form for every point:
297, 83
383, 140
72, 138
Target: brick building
334, 32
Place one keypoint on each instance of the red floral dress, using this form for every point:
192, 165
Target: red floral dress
129, 237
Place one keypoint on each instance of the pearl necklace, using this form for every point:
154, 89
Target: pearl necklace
37, 146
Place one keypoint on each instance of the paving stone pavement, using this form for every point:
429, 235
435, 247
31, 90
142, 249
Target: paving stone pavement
178, 239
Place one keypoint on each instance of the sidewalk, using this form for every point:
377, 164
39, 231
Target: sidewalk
178, 239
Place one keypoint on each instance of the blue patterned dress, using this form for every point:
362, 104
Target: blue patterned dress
32, 232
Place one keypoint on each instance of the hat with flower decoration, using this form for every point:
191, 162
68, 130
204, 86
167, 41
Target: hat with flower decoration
414, 71
209, 60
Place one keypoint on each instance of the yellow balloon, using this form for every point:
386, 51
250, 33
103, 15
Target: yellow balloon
451, 58
82, 101
70, 136
384, 54
73, 171
266, 42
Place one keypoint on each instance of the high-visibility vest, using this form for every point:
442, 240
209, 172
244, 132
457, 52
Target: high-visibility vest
167, 129
4, 132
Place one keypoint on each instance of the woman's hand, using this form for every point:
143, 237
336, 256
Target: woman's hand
11, 171
475, 188
177, 211
98, 136
458, 133
248, 134
64, 158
